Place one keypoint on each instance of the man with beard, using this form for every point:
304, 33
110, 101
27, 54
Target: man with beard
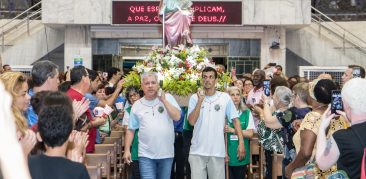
255, 95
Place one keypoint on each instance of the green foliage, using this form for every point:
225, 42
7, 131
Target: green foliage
132, 79
224, 81
181, 88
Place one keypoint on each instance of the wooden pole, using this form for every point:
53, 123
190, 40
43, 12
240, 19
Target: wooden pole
227, 154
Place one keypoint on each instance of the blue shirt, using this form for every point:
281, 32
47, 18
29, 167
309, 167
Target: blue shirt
93, 101
32, 117
178, 125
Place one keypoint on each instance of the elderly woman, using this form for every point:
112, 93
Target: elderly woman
283, 118
305, 138
16, 84
345, 147
238, 168
133, 94
271, 139
301, 103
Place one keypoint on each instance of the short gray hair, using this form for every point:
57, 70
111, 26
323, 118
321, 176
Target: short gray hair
42, 70
284, 94
302, 90
147, 74
353, 92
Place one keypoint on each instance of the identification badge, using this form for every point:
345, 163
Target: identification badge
234, 137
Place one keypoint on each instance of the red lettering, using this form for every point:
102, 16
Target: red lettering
209, 9
156, 19
136, 9
152, 8
204, 13
142, 19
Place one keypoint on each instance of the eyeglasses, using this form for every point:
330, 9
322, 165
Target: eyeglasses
132, 95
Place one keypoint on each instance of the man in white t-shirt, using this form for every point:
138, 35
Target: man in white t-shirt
207, 111
153, 115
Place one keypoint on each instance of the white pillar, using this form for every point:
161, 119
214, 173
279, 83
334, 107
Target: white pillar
78, 42
273, 55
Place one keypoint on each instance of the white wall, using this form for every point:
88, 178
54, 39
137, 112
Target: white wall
76, 11
78, 42
324, 49
28, 49
276, 12
357, 27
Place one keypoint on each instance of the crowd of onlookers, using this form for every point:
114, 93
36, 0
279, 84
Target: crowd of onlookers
59, 117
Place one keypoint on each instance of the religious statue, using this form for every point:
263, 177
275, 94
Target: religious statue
176, 15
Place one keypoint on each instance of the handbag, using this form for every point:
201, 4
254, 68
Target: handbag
339, 174
305, 172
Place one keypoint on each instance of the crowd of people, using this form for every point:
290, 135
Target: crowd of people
56, 118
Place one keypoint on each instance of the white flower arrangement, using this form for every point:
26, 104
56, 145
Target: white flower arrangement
179, 68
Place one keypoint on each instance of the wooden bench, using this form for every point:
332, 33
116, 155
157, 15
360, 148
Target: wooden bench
112, 140
112, 149
118, 128
104, 160
119, 141
255, 150
95, 172
277, 165
117, 134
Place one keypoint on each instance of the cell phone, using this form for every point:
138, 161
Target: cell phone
198, 83
272, 64
336, 103
356, 72
266, 88
160, 92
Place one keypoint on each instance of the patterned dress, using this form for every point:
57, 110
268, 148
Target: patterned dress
312, 122
271, 139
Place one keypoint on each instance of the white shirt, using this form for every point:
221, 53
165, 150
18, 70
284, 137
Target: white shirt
126, 117
250, 122
208, 132
156, 129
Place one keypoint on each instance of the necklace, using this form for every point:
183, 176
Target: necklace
151, 106
211, 101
